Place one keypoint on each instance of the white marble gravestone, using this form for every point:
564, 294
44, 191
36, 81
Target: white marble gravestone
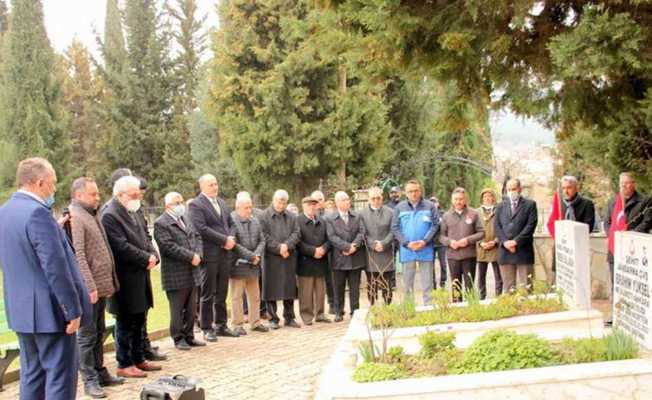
573, 276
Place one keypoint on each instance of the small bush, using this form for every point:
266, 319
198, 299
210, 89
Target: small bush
373, 372
395, 354
440, 299
368, 352
575, 351
620, 346
435, 342
504, 350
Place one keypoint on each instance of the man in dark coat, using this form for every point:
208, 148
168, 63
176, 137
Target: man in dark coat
637, 212
313, 263
379, 245
516, 221
211, 217
280, 268
328, 278
181, 251
346, 234
134, 257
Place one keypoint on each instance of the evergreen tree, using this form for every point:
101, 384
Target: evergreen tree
113, 46
288, 113
140, 106
31, 115
82, 92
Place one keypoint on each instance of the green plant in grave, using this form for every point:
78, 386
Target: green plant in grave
575, 351
433, 343
367, 352
441, 300
620, 346
395, 355
372, 372
501, 350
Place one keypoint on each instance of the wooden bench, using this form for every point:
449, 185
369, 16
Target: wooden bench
10, 351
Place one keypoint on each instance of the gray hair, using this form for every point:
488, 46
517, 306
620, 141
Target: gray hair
242, 198
341, 195
459, 190
33, 169
570, 179
281, 194
169, 198
205, 178
318, 194
374, 190
624, 175
125, 183
79, 185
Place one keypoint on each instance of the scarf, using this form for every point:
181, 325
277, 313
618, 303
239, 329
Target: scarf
570, 207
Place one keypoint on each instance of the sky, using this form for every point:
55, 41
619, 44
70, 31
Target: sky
67, 19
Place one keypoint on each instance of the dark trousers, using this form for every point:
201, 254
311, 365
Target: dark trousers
48, 366
383, 281
482, 278
214, 287
461, 270
129, 339
182, 313
90, 342
288, 310
440, 253
340, 279
330, 296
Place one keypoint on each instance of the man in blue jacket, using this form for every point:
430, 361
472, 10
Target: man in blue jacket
414, 225
44, 294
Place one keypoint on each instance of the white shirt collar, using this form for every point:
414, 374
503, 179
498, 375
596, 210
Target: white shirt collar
32, 195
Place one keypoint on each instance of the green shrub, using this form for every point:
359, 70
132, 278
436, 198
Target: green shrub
373, 372
435, 342
620, 346
441, 299
368, 352
395, 354
501, 350
575, 351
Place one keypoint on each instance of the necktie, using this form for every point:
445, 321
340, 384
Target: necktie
216, 206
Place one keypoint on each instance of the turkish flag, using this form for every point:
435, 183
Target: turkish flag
555, 214
618, 221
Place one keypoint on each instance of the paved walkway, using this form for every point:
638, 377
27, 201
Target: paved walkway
281, 364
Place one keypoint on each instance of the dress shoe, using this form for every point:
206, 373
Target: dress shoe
225, 331
154, 355
339, 318
260, 328
192, 342
210, 336
274, 325
94, 390
148, 366
323, 318
182, 345
106, 379
131, 372
240, 331
292, 324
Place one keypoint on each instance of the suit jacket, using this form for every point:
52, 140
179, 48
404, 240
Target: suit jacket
638, 213
341, 236
456, 227
313, 235
378, 227
519, 226
131, 250
178, 245
250, 242
43, 288
213, 228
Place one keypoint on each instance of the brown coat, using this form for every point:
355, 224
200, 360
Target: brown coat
456, 227
487, 218
92, 251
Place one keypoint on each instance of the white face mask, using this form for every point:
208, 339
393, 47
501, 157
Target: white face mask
133, 205
179, 210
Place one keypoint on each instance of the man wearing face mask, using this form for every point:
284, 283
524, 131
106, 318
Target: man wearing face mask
516, 221
45, 296
181, 251
134, 257
98, 269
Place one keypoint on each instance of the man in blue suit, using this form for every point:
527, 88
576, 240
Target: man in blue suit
44, 294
